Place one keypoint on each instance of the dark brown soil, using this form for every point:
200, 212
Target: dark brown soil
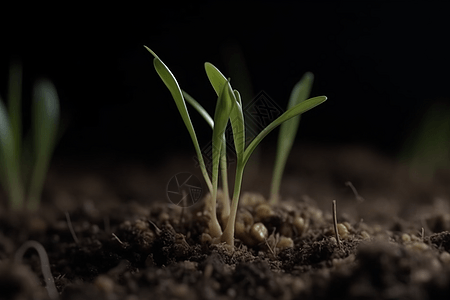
129, 242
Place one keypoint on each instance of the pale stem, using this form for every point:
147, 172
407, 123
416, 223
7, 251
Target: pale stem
228, 234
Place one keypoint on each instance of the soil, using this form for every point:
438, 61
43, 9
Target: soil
128, 241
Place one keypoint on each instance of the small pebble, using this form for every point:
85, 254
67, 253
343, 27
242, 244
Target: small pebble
259, 232
285, 242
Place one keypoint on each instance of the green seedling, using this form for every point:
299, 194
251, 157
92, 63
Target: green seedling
45, 120
228, 108
288, 130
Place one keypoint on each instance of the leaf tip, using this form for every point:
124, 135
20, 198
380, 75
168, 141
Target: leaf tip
151, 51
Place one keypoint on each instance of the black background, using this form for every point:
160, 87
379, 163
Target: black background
381, 64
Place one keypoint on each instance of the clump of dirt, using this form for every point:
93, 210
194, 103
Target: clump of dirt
102, 245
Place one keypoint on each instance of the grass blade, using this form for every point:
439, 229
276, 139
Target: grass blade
171, 83
45, 109
199, 109
288, 131
237, 124
10, 169
215, 77
294, 111
15, 104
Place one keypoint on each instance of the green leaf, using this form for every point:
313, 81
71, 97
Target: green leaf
224, 106
45, 109
199, 109
294, 111
288, 130
15, 104
215, 77
237, 124
45, 117
6, 140
171, 83
10, 169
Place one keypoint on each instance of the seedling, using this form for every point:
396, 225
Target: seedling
287, 133
228, 108
45, 120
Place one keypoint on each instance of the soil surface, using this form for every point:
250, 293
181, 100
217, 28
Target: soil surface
111, 233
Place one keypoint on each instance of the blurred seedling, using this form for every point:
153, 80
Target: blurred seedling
228, 109
16, 171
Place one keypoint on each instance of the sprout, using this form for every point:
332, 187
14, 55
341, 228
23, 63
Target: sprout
288, 130
45, 114
228, 108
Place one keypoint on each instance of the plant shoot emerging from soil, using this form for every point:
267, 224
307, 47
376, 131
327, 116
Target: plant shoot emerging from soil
15, 154
228, 108
287, 133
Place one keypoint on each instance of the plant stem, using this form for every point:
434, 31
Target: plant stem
228, 233
37, 182
226, 195
214, 227
280, 162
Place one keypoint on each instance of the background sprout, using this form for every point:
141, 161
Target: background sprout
45, 114
288, 130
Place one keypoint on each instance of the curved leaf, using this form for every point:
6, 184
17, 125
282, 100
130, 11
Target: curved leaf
10, 169
294, 111
237, 124
215, 77
45, 126
225, 104
171, 83
199, 109
288, 130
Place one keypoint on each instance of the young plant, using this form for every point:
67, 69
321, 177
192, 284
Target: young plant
45, 114
229, 107
287, 133
243, 153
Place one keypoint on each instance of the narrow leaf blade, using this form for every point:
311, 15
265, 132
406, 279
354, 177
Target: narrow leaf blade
288, 131
237, 124
215, 77
45, 117
9, 169
224, 106
294, 111
199, 109
171, 83
15, 104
